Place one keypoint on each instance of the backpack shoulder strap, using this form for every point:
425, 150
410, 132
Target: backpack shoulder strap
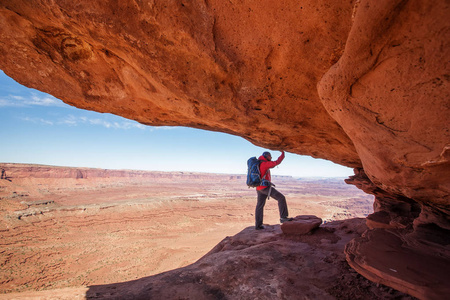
267, 171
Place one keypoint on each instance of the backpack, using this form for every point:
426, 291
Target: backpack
253, 173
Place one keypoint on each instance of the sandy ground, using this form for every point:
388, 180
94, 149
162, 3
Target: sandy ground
64, 233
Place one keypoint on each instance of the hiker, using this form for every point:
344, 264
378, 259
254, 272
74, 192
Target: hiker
266, 190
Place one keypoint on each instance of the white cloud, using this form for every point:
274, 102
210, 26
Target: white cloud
69, 120
37, 121
44, 101
31, 100
83, 120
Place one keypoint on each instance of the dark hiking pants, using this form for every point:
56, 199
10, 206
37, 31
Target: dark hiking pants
262, 197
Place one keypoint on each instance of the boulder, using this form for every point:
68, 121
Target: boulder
301, 225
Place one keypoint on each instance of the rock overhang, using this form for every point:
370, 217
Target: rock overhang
217, 66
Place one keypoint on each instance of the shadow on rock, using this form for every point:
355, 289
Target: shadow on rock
263, 264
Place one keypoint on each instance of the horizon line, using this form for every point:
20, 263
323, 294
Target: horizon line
177, 171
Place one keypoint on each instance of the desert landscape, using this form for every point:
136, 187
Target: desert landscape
109, 226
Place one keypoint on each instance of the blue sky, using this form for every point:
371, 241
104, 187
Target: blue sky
38, 128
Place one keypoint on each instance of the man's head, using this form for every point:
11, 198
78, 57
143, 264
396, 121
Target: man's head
267, 156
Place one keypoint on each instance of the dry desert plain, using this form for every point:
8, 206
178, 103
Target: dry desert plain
70, 232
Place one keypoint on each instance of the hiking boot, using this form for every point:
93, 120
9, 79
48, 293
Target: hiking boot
282, 220
259, 227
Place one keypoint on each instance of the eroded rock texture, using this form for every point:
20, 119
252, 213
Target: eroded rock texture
387, 256
362, 83
405, 246
262, 264
247, 68
390, 93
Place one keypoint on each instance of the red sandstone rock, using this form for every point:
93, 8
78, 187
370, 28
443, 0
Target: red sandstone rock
385, 257
13, 171
390, 92
390, 211
215, 65
258, 265
415, 245
254, 265
361, 83
301, 225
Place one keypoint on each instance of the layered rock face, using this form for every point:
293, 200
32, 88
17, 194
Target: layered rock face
15, 171
362, 83
402, 248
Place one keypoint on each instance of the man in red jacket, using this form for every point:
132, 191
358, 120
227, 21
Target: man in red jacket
267, 190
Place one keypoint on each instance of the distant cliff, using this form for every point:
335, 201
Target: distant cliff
12, 171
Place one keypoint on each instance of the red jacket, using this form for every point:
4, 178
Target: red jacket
265, 166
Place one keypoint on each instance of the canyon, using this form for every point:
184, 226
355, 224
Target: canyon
361, 83
65, 228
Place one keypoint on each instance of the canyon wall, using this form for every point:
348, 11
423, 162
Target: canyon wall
361, 83
15, 171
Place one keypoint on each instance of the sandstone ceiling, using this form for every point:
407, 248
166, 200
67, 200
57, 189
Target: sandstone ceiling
361, 83
248, 68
